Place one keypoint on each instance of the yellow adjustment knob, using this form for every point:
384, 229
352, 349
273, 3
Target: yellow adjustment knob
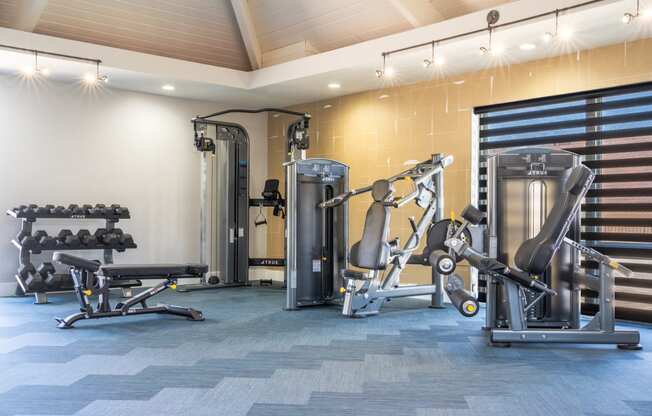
614, 264
87, 292
453, 215
173, 286
342, 290
470, 308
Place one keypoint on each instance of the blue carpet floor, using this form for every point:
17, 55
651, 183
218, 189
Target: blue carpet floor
252, 358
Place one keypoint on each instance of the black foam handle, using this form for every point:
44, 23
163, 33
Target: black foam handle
463, 301
472, 214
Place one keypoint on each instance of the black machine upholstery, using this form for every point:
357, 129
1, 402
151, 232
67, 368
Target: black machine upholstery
76, 261
373, 250
132, 271
534, 255
152, 271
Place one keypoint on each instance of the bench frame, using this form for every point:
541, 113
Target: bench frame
85, 285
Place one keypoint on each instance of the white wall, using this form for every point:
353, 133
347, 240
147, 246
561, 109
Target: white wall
61, 143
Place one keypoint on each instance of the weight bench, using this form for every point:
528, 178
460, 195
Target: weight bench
90, 277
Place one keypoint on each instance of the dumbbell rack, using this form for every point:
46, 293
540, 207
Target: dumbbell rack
31, 281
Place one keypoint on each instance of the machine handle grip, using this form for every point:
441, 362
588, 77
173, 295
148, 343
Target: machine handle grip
335, 201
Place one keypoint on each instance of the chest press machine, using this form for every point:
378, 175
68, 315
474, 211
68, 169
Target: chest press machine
367, 291
532, 259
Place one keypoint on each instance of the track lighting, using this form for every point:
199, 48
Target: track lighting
93, 79
629, 17
492, 19
386, 71
36, 70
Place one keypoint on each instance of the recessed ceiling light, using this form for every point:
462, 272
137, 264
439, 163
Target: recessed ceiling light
389, 72
528, 46
168, 87
383, 96
334, 86
327, 106
458, 82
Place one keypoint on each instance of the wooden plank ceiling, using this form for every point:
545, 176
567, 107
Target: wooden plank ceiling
206, 31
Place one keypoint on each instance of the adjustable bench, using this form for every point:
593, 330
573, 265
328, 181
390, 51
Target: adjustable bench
90, 277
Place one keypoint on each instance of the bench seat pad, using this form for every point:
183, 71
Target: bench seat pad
152, 271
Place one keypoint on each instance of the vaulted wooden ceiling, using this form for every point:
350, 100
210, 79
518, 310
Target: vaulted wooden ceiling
237, 34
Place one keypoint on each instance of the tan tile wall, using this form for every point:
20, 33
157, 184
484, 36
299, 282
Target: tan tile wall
375, 132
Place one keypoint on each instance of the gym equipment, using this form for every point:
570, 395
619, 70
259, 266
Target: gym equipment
90, 277
224, 214
522, 186
366, 292
315, 239
43, 280
532, 259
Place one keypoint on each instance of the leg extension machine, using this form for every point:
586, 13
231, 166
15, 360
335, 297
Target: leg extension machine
532, 259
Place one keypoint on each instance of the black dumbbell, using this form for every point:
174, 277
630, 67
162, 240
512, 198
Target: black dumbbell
86, 238
72, 241
48, 243
41, 211
22, 234
30, 243
99, 235
45, 269
29, 211
117, 231
63, 234
35, 283
78, 211
127, 240
25, 270
19, 208
40, 234
58, 210
54, 281
111, 239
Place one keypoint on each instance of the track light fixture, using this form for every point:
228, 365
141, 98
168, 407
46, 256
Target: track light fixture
428, 62
31, 71
629, 17
492, 19
381, 72
385, 72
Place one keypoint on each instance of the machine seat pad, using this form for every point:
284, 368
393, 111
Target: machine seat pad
76, 261
152, 271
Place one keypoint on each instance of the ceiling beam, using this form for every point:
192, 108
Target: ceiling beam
28, 14
248, 32
417, 12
